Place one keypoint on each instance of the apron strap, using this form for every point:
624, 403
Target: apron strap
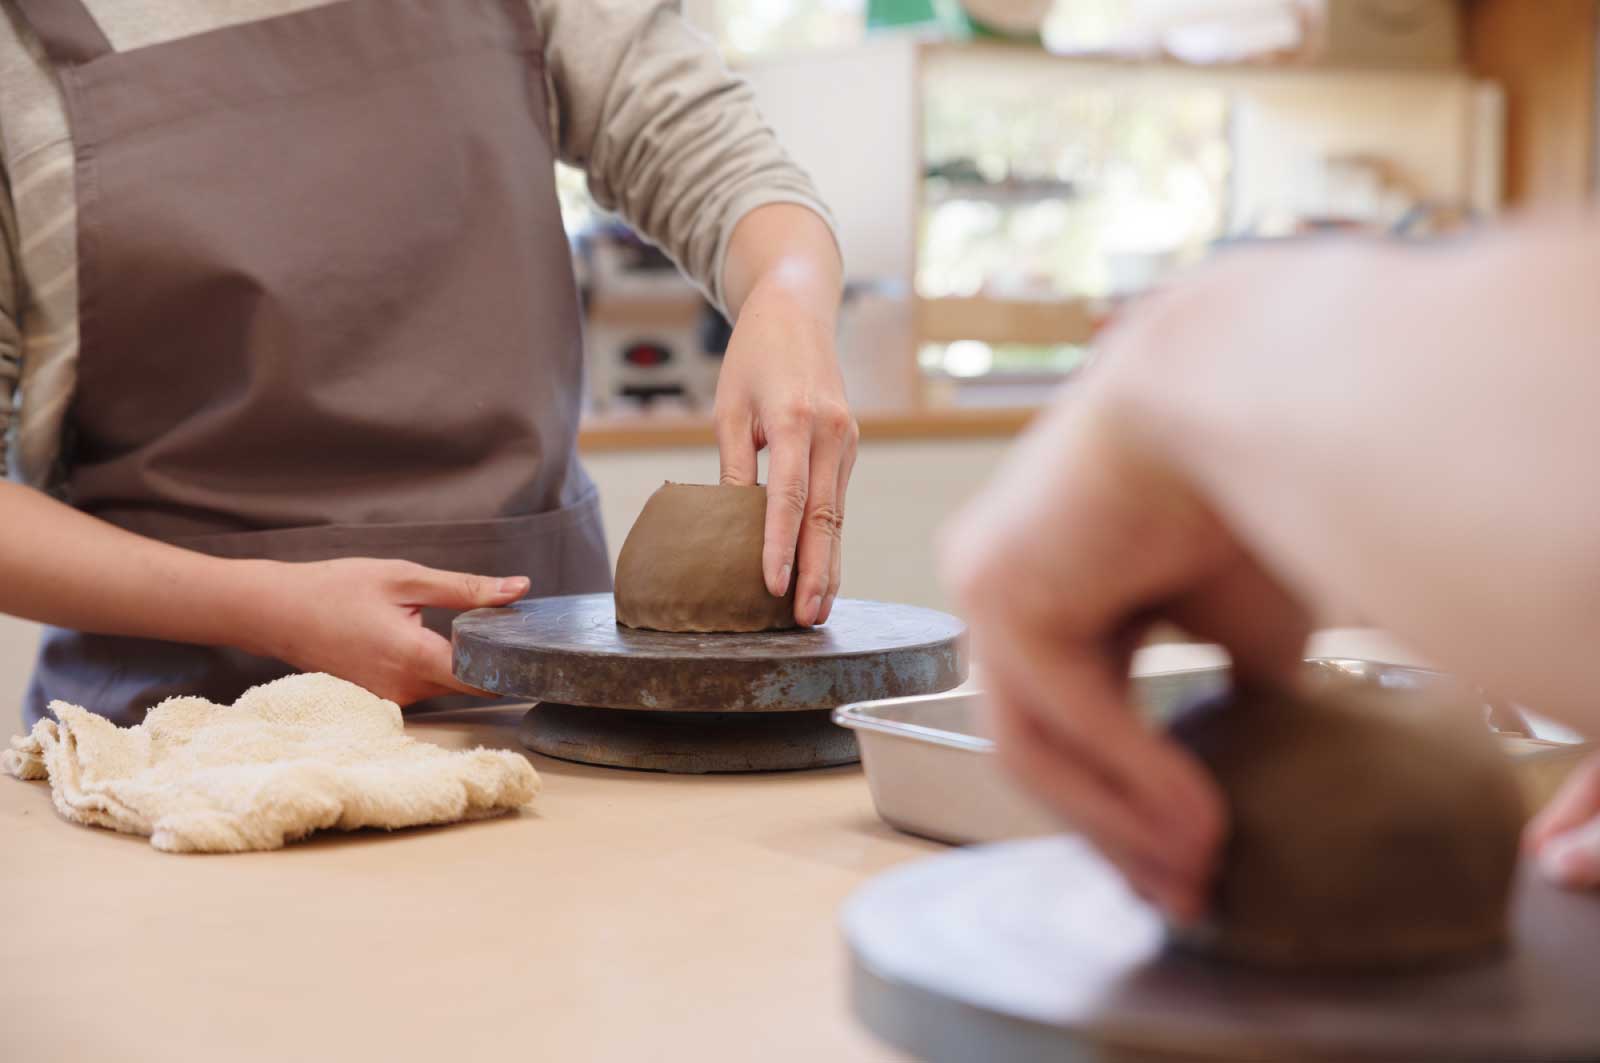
67, 30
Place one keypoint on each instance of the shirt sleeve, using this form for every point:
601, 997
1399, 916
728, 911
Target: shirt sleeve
10, 335
669, 137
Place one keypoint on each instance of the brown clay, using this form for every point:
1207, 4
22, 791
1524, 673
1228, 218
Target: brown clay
1370, 828
692, 562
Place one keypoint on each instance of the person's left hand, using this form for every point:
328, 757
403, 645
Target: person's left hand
781, 388
1565, 837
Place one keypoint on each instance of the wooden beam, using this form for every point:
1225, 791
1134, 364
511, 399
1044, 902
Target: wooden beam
1033, 321
652, 432
1543, 53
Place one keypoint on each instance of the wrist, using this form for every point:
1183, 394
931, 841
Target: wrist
247, 607
783, 254
795, 289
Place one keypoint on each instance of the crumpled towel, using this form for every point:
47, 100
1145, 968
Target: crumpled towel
303, 753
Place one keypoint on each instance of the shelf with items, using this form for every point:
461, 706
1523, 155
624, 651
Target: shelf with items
996, 202
940, 186
1106, 176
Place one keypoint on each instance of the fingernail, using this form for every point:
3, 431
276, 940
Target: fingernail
514, 585
827, 608
783, 576
816, 608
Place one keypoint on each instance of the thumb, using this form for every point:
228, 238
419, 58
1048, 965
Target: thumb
461, 590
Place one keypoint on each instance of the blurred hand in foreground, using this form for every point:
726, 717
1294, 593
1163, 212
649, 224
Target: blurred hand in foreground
1345, 427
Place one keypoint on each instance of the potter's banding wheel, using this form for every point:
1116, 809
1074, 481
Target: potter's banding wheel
1036, 951
697, 703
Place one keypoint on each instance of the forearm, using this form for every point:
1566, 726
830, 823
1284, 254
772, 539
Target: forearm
787, 251
1412, 434
59, 566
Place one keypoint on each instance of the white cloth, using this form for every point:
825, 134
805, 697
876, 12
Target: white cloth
304, 753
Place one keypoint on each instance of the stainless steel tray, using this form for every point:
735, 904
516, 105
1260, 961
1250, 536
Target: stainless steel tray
933, 771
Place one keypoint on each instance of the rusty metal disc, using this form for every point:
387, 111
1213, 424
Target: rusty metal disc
1035, 950
571, 651
689, 743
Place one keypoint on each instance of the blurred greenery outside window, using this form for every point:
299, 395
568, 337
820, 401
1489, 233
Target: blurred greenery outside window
1088, 192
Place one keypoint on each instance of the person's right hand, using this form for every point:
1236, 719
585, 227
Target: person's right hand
361, 620
1565, 836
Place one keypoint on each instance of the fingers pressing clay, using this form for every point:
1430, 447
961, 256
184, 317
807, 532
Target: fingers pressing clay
1565, 837
788, 487
1572, 859
1074, 699
836, 566
1068, 782
819, 535
1577, 802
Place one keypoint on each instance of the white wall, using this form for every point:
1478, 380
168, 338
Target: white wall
849, 118
1423, 126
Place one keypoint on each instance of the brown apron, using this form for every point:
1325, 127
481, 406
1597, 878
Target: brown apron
326, 310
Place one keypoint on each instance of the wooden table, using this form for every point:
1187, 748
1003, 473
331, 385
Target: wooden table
628, 916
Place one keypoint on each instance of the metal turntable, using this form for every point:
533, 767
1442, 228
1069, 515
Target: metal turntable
683, 702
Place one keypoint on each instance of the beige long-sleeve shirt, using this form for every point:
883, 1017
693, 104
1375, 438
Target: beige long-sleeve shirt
639, 99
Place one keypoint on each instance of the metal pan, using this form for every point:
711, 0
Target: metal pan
933, 771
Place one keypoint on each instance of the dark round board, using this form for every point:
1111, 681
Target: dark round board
663, 701
1035, 950
571, 650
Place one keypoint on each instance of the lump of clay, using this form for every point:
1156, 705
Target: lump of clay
1370, 828
693, 563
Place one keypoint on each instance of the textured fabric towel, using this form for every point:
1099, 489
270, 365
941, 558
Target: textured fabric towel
304, 753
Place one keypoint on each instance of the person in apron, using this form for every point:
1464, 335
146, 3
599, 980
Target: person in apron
330, 356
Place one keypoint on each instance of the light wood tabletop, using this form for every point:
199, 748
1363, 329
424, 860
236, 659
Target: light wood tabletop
626, 916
